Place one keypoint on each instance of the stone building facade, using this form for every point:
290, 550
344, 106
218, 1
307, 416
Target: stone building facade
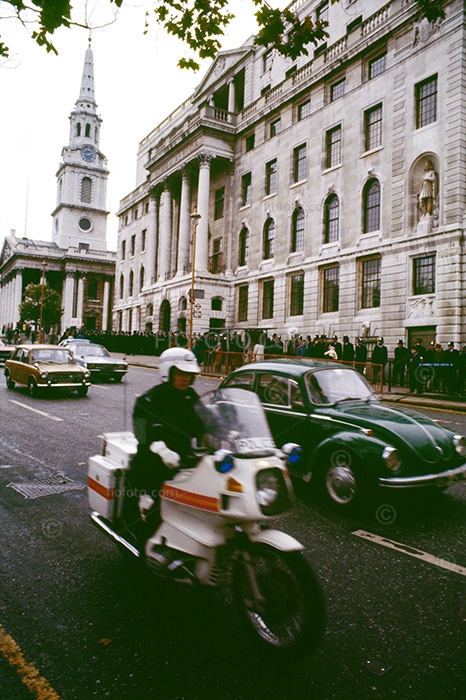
76, 262
331, 189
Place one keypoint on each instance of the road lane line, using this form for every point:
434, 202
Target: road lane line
36, 410
411, 551
28, 673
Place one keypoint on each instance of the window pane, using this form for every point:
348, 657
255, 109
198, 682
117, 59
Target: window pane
269, 239
373, 128
219, 202
331, 289
86, 190
337, 90
332, 218
243, 303
377, 65
267, 299
304, 110
371, 283
271, 177
246, 190
297, 294
426, 102
372, 207
424, 275
243, 246
299, 163
333, 147
275, 127
297, 242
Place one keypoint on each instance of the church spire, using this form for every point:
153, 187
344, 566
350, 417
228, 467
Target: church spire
86, 94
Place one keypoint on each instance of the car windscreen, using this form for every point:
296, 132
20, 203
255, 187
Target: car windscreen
61, 356
329, 386
89, 350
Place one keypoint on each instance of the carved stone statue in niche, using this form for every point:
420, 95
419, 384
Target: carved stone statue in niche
428, 191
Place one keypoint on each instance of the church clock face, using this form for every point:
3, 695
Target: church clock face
88, 154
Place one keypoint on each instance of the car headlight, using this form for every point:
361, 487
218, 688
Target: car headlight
87, 374
272, 493
44, 374
460, 444
392, 458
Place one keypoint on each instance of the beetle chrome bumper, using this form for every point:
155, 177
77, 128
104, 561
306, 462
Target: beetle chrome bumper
441, 480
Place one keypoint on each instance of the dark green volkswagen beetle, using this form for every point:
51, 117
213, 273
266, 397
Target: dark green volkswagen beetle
351, 441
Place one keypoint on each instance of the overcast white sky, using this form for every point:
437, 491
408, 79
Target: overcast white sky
137, 84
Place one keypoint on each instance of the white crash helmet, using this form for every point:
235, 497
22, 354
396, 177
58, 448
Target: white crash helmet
182, 359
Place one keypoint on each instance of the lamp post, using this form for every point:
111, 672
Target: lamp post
194, 220
42, 282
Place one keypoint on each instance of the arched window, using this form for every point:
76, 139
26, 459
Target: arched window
141, 278
86, 190
297, 233
269, 238
78, 129
183, 304
131, 283
243, 246
122, 286
371, 203
332, 219
149, 310
88, 130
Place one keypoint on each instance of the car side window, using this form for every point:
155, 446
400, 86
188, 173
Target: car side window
245, 380
273, 389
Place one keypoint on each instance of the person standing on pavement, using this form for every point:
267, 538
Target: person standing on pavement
379, 357
360, 356
401, 358
348, 350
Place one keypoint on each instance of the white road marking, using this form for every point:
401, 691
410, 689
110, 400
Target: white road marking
36, 410
99, 386
411, 551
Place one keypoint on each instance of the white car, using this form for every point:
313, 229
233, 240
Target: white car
97, 360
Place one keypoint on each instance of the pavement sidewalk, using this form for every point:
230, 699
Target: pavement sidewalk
397, 395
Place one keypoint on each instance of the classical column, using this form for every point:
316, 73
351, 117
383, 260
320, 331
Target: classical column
231, 96
68, 296
202, 238
105, 304
165, 233
151, 240
79, 310
185, 224
17, 295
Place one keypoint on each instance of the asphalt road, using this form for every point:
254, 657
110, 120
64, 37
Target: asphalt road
77, 623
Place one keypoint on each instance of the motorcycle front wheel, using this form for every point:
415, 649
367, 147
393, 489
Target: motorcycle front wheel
279, 599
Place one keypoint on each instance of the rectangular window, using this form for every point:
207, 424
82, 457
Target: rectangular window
373, 128
267, 299
322, 12
297, 294
331, 289
337, 90
371, 283
426, 102
271, 177
143, 240
424, 275
246, 190
123, 250
304, 110
243, 303
333, 147
250, 141
267, 60
377, 66
133, 245
275, 127
299, 163
219, 203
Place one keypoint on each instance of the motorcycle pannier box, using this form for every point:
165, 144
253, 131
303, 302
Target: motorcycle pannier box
105, 486
120, 447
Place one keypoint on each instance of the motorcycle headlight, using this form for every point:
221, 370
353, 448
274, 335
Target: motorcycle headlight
224, 461
271, 491
460, 444
392, 458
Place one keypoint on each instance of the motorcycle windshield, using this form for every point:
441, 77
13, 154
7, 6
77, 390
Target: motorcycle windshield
234, 420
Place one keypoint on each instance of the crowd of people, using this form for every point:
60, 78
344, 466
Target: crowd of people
418, 368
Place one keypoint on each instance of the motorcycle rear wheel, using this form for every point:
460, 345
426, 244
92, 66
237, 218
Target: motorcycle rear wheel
286, 613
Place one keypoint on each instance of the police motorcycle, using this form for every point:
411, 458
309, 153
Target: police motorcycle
215, 517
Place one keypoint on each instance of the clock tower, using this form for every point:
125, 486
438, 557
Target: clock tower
80, 216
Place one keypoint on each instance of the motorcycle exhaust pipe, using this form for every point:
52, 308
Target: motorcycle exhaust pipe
98, 521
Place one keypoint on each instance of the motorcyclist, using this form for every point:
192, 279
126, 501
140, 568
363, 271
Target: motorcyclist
164, 423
